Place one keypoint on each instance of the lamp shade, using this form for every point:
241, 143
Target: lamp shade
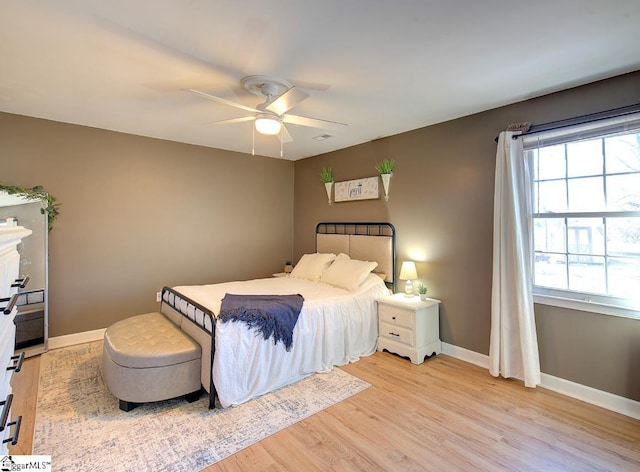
408, 271
267, 124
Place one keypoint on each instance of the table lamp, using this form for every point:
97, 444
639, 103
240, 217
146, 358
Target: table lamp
408, 272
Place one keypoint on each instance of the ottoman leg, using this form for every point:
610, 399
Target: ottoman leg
127, 406
193, 396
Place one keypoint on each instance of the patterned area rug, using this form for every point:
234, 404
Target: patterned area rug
79, 424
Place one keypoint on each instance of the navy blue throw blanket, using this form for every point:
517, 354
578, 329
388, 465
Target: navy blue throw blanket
272, 315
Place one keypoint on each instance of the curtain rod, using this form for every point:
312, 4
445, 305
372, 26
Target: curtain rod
579, 120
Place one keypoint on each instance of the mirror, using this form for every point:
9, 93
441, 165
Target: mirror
32, 317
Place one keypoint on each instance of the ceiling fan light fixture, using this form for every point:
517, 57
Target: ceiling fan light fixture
268, 124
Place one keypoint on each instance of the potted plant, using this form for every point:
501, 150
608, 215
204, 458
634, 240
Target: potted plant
288, 267
422, 291
386, 166
327, 177
386, 171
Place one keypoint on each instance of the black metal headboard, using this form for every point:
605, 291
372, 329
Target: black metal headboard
353, 238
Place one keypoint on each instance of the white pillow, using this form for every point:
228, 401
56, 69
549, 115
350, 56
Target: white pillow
347, 273
311, 266
342, 256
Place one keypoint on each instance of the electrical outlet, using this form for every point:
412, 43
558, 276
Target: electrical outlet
158, 295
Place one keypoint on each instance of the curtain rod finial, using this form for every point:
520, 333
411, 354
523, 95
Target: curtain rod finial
524, 127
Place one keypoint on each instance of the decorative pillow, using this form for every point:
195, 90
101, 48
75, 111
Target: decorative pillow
342, 256
311, 266
347, 273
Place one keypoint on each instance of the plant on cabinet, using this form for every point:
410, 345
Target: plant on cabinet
422, 291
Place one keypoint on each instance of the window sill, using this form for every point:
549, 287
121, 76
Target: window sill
592, 307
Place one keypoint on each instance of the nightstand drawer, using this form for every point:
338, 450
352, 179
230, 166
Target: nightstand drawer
396, 333
396, 316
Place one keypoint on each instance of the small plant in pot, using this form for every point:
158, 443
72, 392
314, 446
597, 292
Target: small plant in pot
327, 177
386, 166
422, 291
288, 267
386, 171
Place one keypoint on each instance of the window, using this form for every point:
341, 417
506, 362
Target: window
586, 215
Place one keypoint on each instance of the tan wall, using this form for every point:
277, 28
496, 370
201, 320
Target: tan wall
441, 203
140, 213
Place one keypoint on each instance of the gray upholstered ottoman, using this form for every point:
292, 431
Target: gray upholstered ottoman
147, 358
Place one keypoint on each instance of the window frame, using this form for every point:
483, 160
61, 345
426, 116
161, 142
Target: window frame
573, 299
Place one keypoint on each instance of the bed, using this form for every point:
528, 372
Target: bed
353, 265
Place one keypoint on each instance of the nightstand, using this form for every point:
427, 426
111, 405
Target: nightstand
409, 326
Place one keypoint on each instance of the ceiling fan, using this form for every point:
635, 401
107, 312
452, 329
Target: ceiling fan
270, 116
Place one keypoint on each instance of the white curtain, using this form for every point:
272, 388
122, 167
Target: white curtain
513, 348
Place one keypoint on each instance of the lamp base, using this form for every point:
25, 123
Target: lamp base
408, 289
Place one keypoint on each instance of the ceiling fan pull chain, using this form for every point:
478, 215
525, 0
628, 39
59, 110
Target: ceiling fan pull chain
253, 140
281, 141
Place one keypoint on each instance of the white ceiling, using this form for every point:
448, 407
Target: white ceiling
382, 66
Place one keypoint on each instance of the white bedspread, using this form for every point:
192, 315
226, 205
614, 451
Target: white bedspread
335, 327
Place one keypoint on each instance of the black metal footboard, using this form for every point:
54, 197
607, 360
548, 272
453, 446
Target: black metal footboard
201, 317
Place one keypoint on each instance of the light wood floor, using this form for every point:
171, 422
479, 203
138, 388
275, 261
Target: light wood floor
443, 415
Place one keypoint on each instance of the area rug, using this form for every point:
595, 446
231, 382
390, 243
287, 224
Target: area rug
79, 424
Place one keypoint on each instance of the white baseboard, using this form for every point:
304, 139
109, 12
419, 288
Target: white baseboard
466, 355
71, 339
587, 394
607, 400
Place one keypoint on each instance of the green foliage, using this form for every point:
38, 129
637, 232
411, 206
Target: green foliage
386, 166
36, 193
326, 175
422, 290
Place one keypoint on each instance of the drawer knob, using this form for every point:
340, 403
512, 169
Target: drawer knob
16, 432
21, 283
394, 334
6, 407
18, 365
393, 317
12, 303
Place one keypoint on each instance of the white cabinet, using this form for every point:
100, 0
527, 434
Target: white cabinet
10, 237
31, 319
409, 326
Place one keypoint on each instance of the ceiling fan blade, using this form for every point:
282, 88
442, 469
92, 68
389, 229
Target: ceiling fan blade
284, 135
233, 120
224, 101
312, 122
287, 100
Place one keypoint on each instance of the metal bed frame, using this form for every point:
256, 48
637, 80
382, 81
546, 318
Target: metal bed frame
205, 319
363, 229
199, 315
